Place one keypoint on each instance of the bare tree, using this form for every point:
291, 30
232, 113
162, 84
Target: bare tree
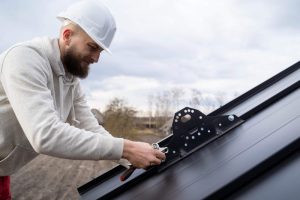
150, 109
162, 107
177, 97
196, 98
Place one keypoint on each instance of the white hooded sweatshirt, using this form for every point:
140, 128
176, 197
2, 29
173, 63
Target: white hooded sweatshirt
43, 110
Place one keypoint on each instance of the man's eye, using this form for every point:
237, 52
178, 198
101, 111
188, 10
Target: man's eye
93, 48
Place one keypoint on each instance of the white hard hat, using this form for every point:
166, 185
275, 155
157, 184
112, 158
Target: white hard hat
94, 18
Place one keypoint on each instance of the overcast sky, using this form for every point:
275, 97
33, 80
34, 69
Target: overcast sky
215, 46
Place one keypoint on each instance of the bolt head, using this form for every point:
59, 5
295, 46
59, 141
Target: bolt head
231, 118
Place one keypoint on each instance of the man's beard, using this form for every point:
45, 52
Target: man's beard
73, 64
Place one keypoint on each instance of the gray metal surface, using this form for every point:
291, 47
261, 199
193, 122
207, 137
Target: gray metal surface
265, 94
224, 160
226, 164
281, 182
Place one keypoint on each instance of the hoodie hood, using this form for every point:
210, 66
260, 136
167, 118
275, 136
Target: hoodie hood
52, 51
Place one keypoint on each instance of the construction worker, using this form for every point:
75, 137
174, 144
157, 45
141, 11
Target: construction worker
43, 109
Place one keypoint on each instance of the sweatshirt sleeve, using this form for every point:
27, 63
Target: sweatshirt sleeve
24, 77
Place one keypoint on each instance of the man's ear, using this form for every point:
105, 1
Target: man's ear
66, 34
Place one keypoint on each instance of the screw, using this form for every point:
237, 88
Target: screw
187, 137
220, 124
185, 144
231, 118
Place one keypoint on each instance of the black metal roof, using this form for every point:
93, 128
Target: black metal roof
257, 158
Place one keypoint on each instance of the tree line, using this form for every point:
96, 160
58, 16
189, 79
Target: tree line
120, 119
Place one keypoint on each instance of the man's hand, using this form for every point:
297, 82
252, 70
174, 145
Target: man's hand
141, 154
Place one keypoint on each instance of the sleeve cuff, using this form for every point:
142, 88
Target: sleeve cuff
111, 148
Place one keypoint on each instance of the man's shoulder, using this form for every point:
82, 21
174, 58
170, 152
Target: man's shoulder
39, 44
29, 54
34, 46
22, 54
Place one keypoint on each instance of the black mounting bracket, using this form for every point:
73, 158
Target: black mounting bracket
192, 130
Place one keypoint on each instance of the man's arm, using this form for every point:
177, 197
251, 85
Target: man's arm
139, 154
24, 78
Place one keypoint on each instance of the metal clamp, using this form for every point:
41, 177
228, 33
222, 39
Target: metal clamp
192, 130
162, 149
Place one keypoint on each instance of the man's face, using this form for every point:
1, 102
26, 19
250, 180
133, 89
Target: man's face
79, 54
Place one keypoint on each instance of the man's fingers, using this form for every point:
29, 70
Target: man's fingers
160, 155
155, 162
141, 154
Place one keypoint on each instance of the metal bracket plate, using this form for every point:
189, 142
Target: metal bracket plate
192, 130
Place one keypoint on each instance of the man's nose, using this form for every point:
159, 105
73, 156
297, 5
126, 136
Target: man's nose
96, 56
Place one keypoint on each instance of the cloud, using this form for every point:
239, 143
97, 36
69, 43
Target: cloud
213, 45
134, 89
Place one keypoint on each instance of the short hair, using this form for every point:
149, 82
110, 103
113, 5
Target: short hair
67, 22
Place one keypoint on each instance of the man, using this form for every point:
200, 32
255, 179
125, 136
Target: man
42, 106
